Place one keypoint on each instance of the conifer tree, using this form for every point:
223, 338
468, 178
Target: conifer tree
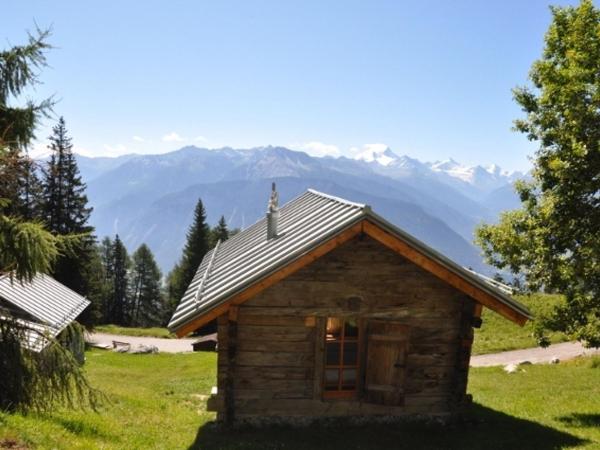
119, 313
219, 232
18, 66
105, 253
147, 300
65, 209
28, 379
196, 246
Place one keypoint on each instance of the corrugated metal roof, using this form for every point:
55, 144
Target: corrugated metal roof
305, 222
43, 304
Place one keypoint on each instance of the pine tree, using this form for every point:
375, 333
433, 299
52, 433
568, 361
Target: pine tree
29, 380
147, 298
219, 233
18, 66
197, 245
105, 253
119, 313
65, 209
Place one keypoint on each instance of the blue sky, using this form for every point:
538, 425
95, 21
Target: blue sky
431, 79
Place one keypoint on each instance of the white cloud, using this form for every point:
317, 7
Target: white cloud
318, 149
375, 148
201, 139
172, 137
138, 139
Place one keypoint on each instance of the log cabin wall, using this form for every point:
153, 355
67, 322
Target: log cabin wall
276, 365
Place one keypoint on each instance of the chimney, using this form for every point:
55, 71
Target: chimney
273, 214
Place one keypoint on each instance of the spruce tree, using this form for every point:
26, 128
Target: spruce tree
146, 296
18, 72
119, 313
105, 253
196, 246
28, 380
65, 209
219, 232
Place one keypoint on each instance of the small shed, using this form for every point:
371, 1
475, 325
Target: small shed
206, 343
43, 306
325, 309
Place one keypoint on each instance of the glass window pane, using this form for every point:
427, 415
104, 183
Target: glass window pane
333, 354
348, 379
332, 377
334, 328
350, 353
350, 328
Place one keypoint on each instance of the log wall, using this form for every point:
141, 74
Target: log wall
277, 365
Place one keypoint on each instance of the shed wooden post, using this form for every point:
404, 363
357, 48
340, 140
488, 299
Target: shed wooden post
319, 356
470, 309
232, 329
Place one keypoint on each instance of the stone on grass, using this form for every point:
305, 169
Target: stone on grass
144, 349
511, 368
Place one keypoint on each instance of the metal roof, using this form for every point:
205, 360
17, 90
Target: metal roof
305, 222
44, 305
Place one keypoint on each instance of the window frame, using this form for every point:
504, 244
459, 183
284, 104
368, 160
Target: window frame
341, 393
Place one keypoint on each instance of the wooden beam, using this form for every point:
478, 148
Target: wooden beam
437, 269
320, 323
273, 278
232, 328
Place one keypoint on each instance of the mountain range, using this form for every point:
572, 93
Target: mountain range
151, 198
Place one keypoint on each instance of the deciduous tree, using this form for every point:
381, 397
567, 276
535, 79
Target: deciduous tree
554, 239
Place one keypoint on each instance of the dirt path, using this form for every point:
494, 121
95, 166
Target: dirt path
563, 351
163, 345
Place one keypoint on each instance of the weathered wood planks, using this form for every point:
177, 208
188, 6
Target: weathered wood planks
279, 336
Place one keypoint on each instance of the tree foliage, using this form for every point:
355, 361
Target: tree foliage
29, 380
196, 246
147, 300
18, 70
119, 280
554, 239
220, 232
64, 210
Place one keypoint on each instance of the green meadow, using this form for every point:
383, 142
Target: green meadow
158, 402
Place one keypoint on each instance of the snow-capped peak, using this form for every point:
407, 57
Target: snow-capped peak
379, 153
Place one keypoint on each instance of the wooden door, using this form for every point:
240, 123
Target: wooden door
385, 371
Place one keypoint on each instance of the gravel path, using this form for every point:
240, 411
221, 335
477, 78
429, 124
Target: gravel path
563, 351
163, 345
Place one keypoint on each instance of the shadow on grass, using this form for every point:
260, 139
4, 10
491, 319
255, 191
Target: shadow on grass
580, 420
482, 428
80, 428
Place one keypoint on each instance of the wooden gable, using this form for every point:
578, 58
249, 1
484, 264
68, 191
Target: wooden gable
377, 231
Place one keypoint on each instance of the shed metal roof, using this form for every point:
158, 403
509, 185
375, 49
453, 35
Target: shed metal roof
305, 222
43, 304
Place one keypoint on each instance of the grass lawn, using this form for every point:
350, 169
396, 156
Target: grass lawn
131, 331
498, 334
158, 403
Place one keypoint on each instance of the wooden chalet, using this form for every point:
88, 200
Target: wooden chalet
325, 309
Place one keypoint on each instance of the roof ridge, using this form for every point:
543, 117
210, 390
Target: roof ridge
339, 199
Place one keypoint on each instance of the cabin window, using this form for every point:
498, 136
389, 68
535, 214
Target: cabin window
341, 357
